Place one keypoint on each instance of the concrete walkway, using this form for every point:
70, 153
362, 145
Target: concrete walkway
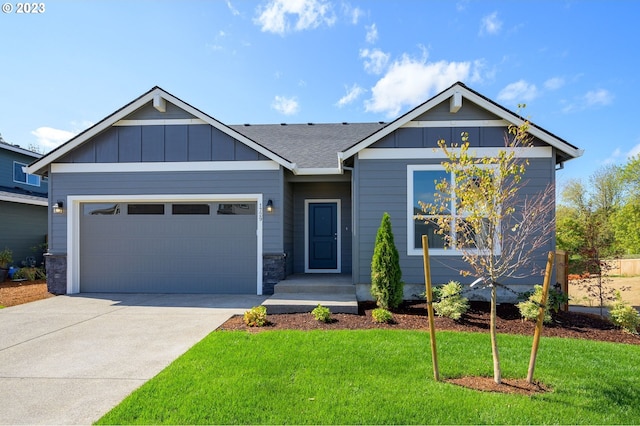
70, 359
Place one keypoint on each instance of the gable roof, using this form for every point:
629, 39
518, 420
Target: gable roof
312, 147
309, 148
156, 95
569, 151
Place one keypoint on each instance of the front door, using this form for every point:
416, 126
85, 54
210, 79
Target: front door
323, 236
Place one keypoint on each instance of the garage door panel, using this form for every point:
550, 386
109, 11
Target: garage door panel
215, 253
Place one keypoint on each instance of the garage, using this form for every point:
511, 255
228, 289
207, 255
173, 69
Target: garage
168, 247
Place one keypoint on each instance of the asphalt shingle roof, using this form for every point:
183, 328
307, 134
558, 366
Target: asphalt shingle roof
309, 145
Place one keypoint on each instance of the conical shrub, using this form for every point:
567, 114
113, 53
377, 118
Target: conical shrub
386, 276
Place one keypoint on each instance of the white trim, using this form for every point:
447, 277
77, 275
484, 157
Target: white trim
23, 200
182, 166
338, 236
317, 171
73, 225
106, 123
437, 153
160, 122
457, 123
411, 250
19, 150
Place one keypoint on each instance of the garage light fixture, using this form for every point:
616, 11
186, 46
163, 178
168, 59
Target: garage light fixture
58, 208
269, 206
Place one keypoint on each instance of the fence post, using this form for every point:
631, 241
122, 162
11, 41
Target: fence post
562, 275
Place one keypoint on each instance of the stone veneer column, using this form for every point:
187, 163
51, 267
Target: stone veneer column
274, 267
56, 267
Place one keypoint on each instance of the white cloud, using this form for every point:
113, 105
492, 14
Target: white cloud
233, 10
634, 151
286, 106
282, 16
554, 83
49, 138
354, 13
518, 92
375, 60
353, 93
592, 98
372, 33
598, 97
490, 24
410, 81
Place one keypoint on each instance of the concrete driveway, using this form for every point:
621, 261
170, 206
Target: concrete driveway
70, 359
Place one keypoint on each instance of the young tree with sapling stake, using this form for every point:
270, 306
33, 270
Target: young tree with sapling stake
386, 276
479, 212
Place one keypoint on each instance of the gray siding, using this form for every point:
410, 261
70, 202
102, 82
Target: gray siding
381, 186
125, 144
328, 190
288, 226
148, 112
22, 228
469, 111
267, 183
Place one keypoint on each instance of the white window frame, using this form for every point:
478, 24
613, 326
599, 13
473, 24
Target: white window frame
26, 175
413, 251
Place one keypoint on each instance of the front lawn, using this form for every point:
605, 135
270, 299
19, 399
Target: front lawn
383, 377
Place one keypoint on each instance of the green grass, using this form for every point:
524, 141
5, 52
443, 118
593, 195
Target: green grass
383, 377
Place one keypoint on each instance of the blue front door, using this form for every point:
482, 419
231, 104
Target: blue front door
323, 236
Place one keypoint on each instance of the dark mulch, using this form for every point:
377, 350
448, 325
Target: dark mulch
413, 316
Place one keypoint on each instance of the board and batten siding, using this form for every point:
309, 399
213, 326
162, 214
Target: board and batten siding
381, 187
266, 182
161, 143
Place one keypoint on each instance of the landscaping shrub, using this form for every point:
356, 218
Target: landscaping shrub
256, 316
381, 316
386, 276
321, 313
450, 302
624, 315
530, 308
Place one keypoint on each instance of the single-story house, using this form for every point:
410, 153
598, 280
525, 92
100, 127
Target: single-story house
162, 197
23, 204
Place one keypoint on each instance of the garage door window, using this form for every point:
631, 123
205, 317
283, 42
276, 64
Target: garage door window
190, 209
108, 209
237, 209
145, 209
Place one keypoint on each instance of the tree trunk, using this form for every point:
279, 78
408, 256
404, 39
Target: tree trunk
497, 374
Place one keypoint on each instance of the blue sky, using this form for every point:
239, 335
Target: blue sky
574, 63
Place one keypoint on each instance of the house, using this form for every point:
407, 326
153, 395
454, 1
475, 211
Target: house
162, 197
23, 204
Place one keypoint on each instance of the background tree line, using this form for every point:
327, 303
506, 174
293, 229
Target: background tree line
602, 218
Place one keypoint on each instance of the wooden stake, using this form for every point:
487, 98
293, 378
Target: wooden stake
543, 307
432, 325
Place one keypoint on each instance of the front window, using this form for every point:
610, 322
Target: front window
21, 176
422, 181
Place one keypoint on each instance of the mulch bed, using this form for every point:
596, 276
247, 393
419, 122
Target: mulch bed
18, 292
413, 316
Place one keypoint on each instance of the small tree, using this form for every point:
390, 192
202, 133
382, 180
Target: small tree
479, 212
386, 276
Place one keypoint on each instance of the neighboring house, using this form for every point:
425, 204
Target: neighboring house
161, 197
23, 204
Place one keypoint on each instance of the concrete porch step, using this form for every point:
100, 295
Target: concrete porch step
284, 287
288, 303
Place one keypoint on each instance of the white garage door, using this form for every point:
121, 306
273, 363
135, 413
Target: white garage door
202, 247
